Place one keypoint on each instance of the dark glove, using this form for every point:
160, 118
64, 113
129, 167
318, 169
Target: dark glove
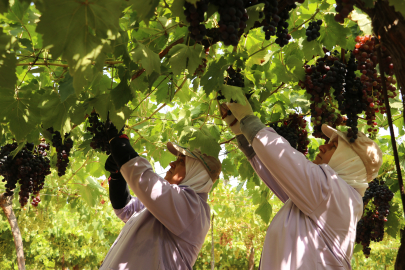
111, 130
119, 191
112, 168
121, 150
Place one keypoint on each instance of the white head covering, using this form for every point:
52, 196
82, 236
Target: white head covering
197, 177
348, 165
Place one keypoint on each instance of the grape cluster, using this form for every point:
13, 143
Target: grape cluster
343, 8
371, 225
62, 150
195, 16
28, 168
233, 17
35, 200
312, 31
97, 128
318, 82
234, 78
366, 54
293, 130
283, 37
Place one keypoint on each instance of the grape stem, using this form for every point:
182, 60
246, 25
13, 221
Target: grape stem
389, 117
6, 204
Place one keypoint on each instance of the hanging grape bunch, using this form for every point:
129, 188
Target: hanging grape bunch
28, 168
62, 150
371, 225
97, 128
195, 16
343, 8
293, 130
234, 78
318, 82
366, 53
233, 17
312, 31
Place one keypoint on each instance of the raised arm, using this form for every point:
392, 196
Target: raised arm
260, 169
304, 182
175, 207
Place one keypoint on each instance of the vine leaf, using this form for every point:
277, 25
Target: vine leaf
79, 32
200, 139
294, 65
144, 9
183, 56
399, 6
66, 88
213, 77
233, 92
363, 21
253, 13
8, 61
178, 10
333, 33
122, 93
312, 49
4, 5
149, 60
91, 191
257, 56
16, 112
264, 211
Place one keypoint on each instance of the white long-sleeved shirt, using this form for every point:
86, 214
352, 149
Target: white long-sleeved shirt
165, 226
316, 227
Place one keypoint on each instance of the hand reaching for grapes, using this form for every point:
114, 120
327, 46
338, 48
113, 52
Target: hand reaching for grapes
112, 168
240, 111
112, 131
232, 122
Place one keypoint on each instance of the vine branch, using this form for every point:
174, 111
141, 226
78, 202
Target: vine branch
6, 203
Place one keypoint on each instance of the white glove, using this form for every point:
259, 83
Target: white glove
240, 111
232, 122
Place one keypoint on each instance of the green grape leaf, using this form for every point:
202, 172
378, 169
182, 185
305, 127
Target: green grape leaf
66, 87
264, 211
91, 191
233, 92
55, 113
213, 77
393, 221
183, 56
4, 5
363, 20
333, 33
200, 139
257, 57
149, 60
312, 49
122, 93
399, 6
253, 13
295, 66
118, 117
178, 10
8, 61
144, 9
79, 31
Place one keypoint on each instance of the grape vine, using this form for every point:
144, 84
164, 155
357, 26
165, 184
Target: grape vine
97, 128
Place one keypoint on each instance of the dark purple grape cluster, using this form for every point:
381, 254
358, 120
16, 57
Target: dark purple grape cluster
195, 16
97, 128
234, 78
312, 31
283, 37
28, 167
293, 130
233, 17
343, 8
318, 82
62, 150
371, 225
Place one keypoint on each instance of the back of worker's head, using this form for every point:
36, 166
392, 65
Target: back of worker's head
355, 162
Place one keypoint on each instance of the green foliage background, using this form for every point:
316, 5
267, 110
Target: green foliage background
62, 59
